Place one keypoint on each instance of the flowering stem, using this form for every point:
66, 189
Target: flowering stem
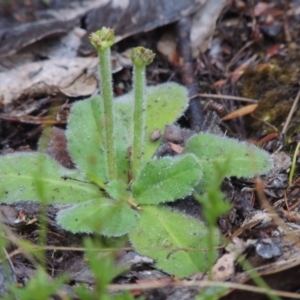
141, 57
102, 40
138, 118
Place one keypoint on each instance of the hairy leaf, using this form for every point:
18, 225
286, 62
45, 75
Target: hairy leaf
166, 179
22, 173
165, 104
175, 240
103, 215
242, 159
118, 190
84, 141
123, 133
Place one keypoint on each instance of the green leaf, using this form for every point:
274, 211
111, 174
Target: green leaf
84, 139
40, 285
165, 104
123, 133
166, 179
175, 240
103, 215
118, 190
104, 275
21, 173
242, 159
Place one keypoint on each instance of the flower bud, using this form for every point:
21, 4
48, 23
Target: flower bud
142, 56
103, 38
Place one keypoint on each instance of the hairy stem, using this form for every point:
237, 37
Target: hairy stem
102, 40
108, 112
140, 58
139, 116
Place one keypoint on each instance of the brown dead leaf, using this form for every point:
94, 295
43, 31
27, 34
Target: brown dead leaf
176, 148
238, 72
245, 110
56, 74
220, 83
275, 49
167, 46
269, 137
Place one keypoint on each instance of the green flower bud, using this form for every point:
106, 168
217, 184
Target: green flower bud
103, 38
142, 56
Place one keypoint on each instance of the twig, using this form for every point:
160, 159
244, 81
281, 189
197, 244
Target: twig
32, 120
237, 55
289, 117
265, 122
202, 283
235, 98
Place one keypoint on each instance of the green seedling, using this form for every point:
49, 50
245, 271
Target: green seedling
292, 172
39, 287
119, 186
102, 275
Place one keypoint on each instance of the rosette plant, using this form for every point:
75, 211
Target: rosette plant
119, 187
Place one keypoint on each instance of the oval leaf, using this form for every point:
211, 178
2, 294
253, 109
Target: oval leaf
22, 175
175, 240
165, 104
166, 179
245, 110
84, 140
108, 217
242, 159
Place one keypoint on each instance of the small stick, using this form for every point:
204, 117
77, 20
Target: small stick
289, 117
235, 98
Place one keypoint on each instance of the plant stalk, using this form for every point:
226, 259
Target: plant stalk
141, 57
102, 40
108, 112
292, 172
139, 116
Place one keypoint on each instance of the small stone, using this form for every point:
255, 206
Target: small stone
155, 135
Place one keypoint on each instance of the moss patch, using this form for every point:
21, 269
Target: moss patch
275, 85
